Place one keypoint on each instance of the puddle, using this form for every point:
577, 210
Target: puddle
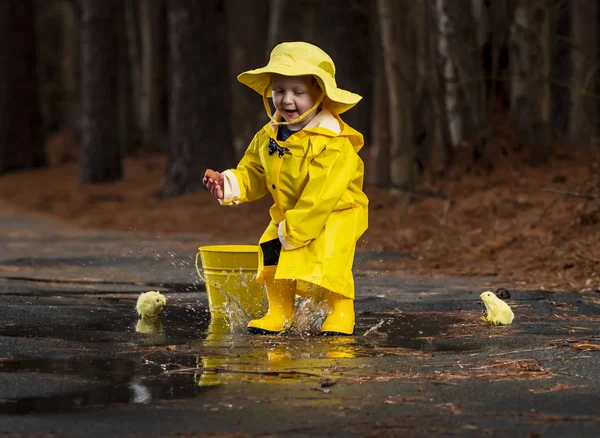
152, 376
420, 331
110, 323
135, 391
183, 353
110, 381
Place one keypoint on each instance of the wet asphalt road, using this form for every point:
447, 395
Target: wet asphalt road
421, 362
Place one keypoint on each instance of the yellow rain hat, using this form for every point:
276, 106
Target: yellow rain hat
301, 59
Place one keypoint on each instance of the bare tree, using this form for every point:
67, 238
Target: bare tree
465, 85
125, 101
501, 13
584, 100
281, 28
199, 86
274, 28
100, 146
339, 26
247, 51
57, 64
152, 26
378, 171
70, 63
450, 74
21, 142
432, 130
146, 47
134, 52
397, 43
530, 76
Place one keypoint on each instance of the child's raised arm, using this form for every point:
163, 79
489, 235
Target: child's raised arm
245, 183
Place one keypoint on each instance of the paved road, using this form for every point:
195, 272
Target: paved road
421, 362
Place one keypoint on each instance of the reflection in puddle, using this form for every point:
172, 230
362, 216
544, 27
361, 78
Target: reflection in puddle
149, 326
95, 382
128, 360
137, 391
269, 359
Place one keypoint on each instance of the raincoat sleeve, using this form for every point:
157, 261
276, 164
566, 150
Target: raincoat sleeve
245, 183
330, 174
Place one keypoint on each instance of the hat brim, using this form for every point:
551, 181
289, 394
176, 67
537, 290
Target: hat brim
337, 100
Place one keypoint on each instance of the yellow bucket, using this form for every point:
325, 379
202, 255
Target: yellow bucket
229, 274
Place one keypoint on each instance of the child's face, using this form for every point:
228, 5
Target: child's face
293, 96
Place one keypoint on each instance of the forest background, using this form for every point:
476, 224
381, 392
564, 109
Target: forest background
481, 122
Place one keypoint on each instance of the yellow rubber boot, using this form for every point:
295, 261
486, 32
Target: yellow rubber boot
340, 320
281, 294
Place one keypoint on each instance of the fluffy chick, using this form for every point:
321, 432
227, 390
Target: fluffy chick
498, 312
150, 304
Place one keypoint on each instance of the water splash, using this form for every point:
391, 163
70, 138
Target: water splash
310, 314
374, 328
238, 310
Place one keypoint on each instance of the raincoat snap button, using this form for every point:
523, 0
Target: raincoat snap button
273, 185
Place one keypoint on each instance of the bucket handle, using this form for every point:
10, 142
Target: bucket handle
215, 285
198, 269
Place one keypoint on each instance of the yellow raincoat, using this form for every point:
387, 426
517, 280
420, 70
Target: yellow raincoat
316, 184
317, 190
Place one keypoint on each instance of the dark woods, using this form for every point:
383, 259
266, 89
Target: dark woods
118, 77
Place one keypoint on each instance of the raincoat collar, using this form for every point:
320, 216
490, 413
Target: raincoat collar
325, 120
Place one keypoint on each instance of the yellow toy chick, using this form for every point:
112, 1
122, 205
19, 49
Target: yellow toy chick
498, 312
150, 304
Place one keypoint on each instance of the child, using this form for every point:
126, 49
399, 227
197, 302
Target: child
307, 159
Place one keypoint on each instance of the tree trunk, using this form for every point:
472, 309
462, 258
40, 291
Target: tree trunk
127, 123
584, 55
247, 51
502, 12
450, 75
134, 50
530, 68
152, 73
466, 50
21, 140
48, 45
562, 75
282, 28
70, 64
100, 148
274, 27
58, 56
378, 171
339, 33
435, 150
399, 76
481, 23
199, 127
465, 84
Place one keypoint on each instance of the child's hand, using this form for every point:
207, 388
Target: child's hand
214, 183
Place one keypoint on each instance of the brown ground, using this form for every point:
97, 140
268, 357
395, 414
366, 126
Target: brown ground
506, 224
